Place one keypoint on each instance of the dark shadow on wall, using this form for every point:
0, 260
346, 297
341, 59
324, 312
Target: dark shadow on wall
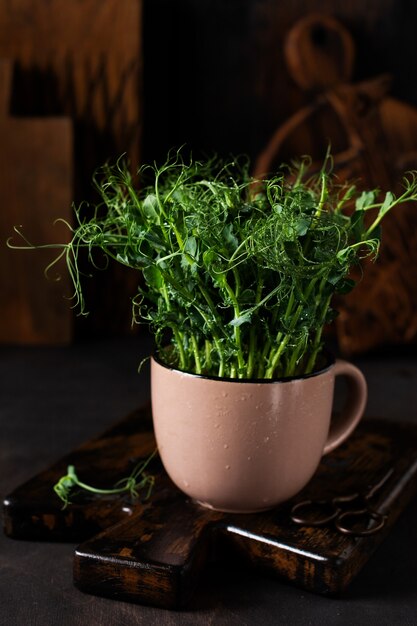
215, 77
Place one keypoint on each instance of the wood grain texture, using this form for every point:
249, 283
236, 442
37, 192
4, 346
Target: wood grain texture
35, 189
374, 142
83, 60
80, 59
154, 552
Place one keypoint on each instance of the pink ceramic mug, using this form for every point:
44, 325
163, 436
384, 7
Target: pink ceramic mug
246, 446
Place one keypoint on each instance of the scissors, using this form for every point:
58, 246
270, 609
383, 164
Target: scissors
351, 513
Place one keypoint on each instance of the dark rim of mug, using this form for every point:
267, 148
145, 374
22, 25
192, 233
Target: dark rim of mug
328, 357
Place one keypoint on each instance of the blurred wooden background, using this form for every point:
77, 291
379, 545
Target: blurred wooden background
216, 76
81, 60
142, 77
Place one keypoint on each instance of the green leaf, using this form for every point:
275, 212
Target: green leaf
387, 204
302, 225
244, 318
150, 207
335, 277
229, 235
122, 258
344, 254
153, 277
188, 265
191, 246
365, 199
154, 241
209, 259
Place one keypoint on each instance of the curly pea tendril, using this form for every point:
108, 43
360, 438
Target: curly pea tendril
239, 275
131, 484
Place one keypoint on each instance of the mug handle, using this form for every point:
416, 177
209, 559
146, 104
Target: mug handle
355, 405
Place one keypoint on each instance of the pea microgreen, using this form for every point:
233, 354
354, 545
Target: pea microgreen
239, 275
138, 479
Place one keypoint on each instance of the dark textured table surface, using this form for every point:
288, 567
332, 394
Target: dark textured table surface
52, 399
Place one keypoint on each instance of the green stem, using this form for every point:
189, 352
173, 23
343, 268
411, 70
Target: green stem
196, 354
177, 335
317, 339
408, 195
252, 351
252, 334
179, 342
216, 340
275, 356
236, 329
158, 199
99, 491
292, 364
210, 302
188, 297
262, 360
130, 484
376, 222
323, 195
207, 348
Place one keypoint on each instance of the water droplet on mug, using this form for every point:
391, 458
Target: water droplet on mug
225, 394
266, 439
249, 458
216, 425
185, 483
225, 446
227, 467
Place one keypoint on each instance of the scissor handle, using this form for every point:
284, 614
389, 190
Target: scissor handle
349, 529
312, 512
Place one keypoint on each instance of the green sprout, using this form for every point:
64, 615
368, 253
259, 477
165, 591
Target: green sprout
131, 484
239, 274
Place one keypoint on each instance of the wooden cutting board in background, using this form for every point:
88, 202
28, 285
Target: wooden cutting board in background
83, 60
35, 189
373, 137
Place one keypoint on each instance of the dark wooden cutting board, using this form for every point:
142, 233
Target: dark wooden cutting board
153, 552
